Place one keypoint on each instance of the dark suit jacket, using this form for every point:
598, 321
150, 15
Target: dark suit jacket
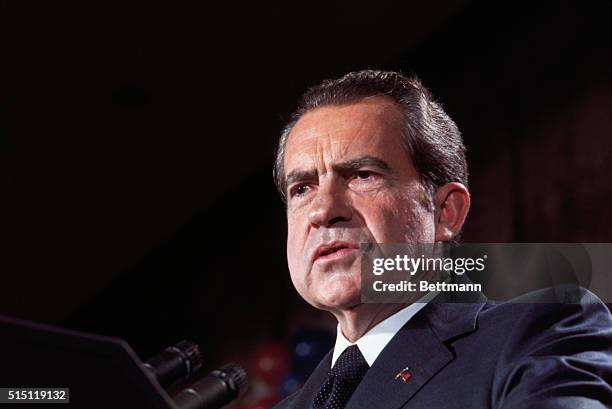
487, 355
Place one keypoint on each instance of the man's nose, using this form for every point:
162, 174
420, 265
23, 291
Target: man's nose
329, 207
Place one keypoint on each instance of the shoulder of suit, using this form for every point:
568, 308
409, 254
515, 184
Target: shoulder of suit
560, 300
540, 318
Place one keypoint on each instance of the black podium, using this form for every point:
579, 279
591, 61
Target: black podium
101, 372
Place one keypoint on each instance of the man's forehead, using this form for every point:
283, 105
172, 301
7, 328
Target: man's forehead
371, 126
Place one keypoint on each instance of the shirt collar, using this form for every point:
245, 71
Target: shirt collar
376, 339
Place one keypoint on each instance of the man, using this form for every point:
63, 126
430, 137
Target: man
371, 158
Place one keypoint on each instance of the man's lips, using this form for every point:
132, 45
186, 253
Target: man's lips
334, 250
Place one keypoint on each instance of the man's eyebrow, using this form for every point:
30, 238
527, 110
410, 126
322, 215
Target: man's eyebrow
352, 164
300, 175
360, 162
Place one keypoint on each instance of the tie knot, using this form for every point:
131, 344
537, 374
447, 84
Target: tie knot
351, 366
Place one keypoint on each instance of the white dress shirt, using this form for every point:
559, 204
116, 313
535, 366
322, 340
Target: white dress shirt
376, 339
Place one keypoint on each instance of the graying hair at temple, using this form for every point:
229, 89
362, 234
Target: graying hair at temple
431, 137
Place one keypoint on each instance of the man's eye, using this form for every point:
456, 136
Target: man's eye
364, 174
299, 190
363, 180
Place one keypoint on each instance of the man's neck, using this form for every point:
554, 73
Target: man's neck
358, 320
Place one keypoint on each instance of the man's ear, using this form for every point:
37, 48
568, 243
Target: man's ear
452, 204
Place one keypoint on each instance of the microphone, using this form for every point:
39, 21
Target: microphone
174, 363
215, 390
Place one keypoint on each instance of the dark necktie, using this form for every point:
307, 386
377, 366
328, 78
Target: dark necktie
342, 380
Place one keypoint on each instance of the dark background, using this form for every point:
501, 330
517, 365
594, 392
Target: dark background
137, 141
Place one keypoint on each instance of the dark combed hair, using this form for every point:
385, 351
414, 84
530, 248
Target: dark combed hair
431, 138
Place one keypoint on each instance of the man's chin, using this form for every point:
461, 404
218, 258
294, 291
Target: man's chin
341, 302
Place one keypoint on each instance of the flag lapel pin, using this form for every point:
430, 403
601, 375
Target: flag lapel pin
404, 374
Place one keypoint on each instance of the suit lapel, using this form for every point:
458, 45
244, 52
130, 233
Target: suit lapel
415, 347
420, 347
305, 396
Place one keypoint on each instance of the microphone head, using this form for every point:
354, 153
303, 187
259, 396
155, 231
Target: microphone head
234, 376
191, 351
175, 363
215, 390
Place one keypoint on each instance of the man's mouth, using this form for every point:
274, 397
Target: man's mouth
334, 250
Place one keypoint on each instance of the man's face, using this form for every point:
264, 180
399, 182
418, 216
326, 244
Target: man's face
349, 181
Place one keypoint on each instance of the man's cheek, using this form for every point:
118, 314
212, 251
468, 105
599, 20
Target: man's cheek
295, 261
293, 264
